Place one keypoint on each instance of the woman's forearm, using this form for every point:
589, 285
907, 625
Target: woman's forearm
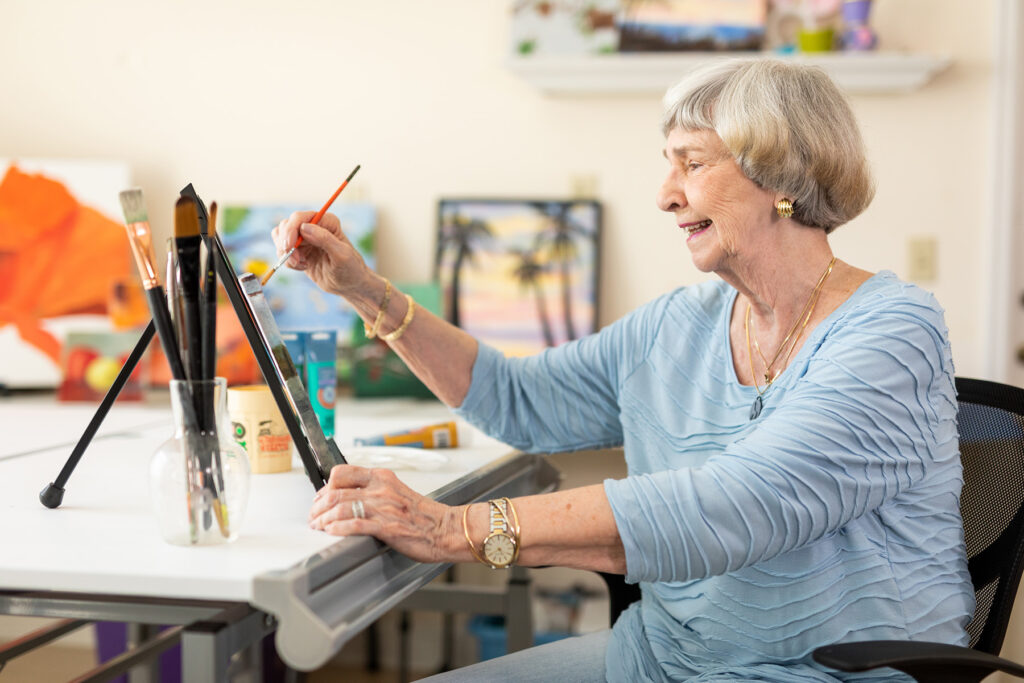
573, 528
438, 353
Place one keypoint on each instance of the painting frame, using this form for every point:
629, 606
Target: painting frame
500, 262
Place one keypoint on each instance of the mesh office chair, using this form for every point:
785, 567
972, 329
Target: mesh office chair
991, 422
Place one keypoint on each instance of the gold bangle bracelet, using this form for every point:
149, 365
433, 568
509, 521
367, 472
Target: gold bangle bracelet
515, 531
371, 332
393, 336
465, 530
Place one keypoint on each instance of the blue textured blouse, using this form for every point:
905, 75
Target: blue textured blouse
832, 516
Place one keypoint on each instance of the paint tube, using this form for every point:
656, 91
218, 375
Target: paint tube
442, 435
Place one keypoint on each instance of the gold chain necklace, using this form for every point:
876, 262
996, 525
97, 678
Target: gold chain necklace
789, 341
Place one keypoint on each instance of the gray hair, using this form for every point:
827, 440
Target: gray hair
789, 128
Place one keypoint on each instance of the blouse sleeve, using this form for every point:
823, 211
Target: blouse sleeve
872, 415
565, 398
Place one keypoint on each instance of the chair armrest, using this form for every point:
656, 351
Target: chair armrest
923, 661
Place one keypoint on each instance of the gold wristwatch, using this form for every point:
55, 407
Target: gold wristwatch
501, 547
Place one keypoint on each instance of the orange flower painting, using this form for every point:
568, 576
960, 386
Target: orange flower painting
57, 257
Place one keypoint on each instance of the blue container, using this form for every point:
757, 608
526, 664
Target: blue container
492, 640
322, 376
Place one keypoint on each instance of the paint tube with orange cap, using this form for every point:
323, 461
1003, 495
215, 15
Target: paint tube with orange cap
443, 435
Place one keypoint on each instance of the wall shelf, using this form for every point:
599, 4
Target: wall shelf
652, 73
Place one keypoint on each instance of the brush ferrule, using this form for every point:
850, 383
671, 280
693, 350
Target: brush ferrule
141, 240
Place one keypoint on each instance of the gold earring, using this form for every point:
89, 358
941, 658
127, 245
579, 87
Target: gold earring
784, 207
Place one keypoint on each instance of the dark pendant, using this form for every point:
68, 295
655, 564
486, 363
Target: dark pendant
755, 409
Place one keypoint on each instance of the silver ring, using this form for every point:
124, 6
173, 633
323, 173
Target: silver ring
358, 511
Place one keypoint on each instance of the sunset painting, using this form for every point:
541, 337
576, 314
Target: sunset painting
520, 275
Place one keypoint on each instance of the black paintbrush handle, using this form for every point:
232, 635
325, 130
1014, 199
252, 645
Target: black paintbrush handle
209, 344
165, 330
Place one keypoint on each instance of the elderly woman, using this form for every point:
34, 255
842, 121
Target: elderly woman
790, 429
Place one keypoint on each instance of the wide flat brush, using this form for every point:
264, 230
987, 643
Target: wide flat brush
188, 240
187, 243
315, 221
140, 237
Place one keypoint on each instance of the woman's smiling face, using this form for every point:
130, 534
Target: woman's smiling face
722, 211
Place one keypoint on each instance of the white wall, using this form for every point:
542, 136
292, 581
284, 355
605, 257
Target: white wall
277, 101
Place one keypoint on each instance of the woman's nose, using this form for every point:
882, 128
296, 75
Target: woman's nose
670, 195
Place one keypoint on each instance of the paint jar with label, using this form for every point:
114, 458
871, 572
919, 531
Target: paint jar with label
259, 429
322, 376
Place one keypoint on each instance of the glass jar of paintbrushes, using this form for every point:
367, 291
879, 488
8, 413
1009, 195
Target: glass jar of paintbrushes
199, 478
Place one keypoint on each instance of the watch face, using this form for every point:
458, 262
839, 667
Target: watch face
499, 549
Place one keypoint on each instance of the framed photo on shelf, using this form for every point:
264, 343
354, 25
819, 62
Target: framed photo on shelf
692, 25
519, 274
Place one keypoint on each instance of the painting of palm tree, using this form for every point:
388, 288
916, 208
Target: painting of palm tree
528, 272
462, 234
524, 255
559, 240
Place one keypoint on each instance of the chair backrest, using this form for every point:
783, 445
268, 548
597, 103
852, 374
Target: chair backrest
991, 422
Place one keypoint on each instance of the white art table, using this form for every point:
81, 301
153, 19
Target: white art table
99, 556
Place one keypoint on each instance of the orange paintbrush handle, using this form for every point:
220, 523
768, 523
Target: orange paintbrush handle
320, 214
315, 221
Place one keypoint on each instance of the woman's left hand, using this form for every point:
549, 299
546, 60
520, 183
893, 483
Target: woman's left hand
416, 526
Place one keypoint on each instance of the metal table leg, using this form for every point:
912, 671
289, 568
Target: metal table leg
207, 646
148, 671
518, 612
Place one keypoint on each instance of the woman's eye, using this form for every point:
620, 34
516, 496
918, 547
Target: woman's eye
693, 165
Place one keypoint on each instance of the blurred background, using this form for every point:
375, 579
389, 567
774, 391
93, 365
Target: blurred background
273, 103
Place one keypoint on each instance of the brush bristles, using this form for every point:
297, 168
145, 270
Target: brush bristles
133, 206
211, 223
186, 218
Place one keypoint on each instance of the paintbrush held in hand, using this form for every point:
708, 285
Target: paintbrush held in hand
315, 221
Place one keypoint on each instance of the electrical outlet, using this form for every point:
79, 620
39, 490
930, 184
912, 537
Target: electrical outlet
923, 259
583, 186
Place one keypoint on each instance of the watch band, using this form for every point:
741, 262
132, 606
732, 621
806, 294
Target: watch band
499, 513
501, 547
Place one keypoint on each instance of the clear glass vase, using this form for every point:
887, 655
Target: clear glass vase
199, 478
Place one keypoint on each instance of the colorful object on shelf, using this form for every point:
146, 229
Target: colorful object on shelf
541, 27
816, 39
703, 25
857, 34
91, 361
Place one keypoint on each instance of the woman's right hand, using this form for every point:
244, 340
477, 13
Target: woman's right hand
325, 254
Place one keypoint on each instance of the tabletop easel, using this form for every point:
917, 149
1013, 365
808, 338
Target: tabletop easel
318, 453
